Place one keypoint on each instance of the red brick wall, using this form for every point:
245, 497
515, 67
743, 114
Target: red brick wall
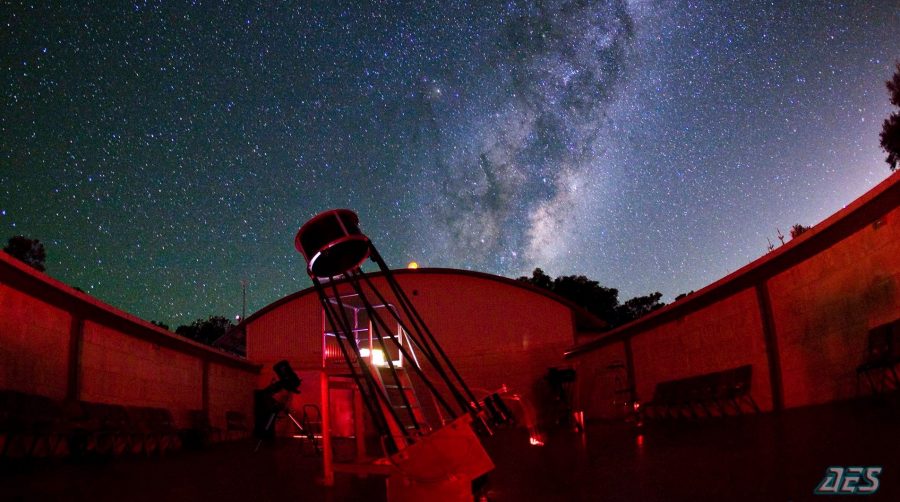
34, 344
121, 359
824, 307
597, 382
117, 368
727, 334
826, 290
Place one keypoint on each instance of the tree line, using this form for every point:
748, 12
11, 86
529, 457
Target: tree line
32, 253
601, 301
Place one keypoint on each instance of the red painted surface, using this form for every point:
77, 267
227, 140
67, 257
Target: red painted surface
725, 335
599, 379
230, 388
497, 332
120, 359
824, 307
34, 341
826, 289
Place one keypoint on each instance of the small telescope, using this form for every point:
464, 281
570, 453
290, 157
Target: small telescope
287, 379
266, 404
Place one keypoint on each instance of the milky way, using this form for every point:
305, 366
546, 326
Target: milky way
163, 152
512, 172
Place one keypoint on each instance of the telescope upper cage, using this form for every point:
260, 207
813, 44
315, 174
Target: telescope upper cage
332, 243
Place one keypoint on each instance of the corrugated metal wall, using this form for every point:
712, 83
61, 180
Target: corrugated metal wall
496, 333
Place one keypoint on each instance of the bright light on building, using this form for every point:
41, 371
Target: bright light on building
413, 265
376, 356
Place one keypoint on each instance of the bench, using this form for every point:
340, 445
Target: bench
703, 396
33, 425
881, 358
27, 421
152, 430
106, 428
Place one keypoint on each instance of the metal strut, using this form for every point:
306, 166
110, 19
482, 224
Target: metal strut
372, 315
378, 418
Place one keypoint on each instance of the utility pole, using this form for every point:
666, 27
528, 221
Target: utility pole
244, 283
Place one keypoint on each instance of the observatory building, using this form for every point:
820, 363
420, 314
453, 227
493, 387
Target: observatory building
498, 332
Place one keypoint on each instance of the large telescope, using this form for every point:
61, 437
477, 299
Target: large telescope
436, 454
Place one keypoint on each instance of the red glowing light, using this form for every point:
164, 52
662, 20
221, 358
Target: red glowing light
640, 440
535, 441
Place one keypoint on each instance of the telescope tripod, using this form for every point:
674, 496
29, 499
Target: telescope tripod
301, 429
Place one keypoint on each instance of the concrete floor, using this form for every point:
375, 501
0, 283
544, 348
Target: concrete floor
765, 457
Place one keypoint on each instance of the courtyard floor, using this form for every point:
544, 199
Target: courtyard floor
768, 457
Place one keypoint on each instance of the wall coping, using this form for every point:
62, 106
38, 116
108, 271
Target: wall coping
868, 208
41, 286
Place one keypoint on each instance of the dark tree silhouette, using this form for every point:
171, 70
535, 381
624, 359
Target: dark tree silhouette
890, 129
538, 278
29, 251
797, 230
160, 324
598, 300
638, 307
684, 295
206, 331
580, 290
601, 301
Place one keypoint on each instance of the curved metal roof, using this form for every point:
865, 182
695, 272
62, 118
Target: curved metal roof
583, 319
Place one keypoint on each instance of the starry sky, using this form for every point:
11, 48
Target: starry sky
165, 151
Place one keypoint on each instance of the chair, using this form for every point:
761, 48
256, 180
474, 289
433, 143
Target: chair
737, 388
165, 430
881, 357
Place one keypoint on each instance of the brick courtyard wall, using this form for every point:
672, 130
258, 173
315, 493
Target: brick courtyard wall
35, 343
230, 389
600, 382
117, 368
61, 343
727, 334
800, 315
824, 307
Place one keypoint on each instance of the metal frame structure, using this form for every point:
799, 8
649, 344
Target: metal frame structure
335, 250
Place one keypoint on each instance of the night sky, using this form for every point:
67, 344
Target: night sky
163, 152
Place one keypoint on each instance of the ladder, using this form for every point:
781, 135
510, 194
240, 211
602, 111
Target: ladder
403, 400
